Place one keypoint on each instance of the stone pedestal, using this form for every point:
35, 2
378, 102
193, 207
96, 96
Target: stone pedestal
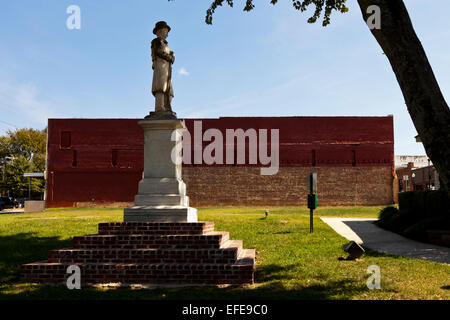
162, 193
160, 243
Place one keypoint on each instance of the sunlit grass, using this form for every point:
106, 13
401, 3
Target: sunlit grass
291, 262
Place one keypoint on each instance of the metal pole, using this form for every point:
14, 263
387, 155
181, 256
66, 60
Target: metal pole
29, 188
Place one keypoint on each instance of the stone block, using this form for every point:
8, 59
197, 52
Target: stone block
34, 206
160, 214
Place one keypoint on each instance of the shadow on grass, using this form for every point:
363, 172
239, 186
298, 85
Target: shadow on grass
275, 290
373, 253
22, 248
11, 212
273, 272
270, 285
273, 282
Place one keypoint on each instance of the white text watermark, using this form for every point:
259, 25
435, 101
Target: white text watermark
231, 150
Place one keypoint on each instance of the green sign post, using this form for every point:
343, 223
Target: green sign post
311, 184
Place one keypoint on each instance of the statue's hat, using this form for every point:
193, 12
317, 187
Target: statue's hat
160, 25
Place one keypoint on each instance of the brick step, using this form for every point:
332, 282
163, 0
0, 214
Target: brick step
246, 256
240, 272
212, 240
227, 254
149, 253
154, 228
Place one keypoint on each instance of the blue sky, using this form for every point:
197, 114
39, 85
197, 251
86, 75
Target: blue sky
269, 62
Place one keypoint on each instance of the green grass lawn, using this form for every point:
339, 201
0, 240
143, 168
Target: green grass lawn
290, 262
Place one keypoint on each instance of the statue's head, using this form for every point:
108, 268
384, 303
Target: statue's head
161, 29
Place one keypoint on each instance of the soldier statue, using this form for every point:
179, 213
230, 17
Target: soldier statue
162, 59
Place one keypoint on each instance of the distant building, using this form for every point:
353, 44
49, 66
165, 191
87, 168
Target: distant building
415, 172
426, 178
404, 176
418, 161
412, 178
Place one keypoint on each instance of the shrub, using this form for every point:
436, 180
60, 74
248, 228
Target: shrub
386, 214
419, 211
400, 221
418, 231
424, 204
438, 204
406, 220
419, 205
406, 200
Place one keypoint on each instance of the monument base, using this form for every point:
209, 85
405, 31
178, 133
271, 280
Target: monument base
160, 214
161, 192
149, 253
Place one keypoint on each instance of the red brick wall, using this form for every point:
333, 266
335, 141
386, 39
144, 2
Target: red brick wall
337, 186
103, 164
93, 179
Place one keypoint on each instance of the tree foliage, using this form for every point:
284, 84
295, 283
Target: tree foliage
26, 142
16, 183
4, 149
325, 6
21, 151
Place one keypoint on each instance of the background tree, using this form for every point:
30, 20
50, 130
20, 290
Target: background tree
15, 182
4, 147
423, 97
4, 152
27, 142
22, 150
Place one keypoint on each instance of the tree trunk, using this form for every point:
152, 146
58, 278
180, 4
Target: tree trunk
424, 100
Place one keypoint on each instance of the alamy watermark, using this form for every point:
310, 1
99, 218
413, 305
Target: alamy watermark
74, 20
374, 20
235, 140
374, 281
74, 280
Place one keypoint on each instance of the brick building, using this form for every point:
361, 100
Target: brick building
100, 161
416, 176
401, 161
404, 176
426, 178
